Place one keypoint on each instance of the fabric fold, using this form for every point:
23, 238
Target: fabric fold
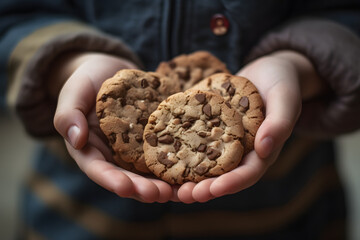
334, 51
31, 59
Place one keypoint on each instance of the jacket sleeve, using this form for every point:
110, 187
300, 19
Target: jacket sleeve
29, 41
334, 50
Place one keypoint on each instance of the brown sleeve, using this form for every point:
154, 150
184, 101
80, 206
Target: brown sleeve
334, 51
32, 57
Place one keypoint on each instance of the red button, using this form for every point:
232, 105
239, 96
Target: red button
219, 24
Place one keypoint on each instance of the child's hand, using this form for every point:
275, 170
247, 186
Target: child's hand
76, 121
281, 79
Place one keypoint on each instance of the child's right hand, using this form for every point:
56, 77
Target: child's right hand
76, 121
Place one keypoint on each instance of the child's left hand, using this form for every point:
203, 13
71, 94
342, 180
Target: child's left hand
280, 79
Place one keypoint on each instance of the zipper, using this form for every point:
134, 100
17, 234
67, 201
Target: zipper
171, 28
176, 31
165, 27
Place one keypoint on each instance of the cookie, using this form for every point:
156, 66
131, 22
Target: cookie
190, 69
243, 96
124, 104
191, 136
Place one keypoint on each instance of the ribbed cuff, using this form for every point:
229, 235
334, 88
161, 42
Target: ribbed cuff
334, 51
31, 59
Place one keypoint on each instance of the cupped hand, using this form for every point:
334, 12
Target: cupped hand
280, 80
76, 121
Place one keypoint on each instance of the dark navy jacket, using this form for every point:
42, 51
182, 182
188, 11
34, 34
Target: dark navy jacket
303, 201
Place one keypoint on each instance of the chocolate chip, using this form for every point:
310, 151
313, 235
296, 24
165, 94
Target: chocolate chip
186, 172
125, 137
172, 64
201, 97
166, 139
229, 88
162, 155
213, 153
163, 158
138, 138
156, 82
152, 139
215, 122
177, 145
201, 169
244, 103
103, 114
143, 121
184, 74
231, 91
144, 83
227, 103
192, 119
104, 97
201, 148
226, 85
209, 81
186, 125
207, 110
202, 134
112, 138
122, 102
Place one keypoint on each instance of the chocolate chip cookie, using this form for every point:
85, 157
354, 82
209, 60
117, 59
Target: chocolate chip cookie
191, 136
124, 104
190, 69
243, 96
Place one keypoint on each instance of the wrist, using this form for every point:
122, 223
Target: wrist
311, 85
61, 69
66, 64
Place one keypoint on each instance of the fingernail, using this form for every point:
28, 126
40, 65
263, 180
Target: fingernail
73, 135
267, 145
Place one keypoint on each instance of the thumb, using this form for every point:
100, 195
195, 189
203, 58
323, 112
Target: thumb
283, 106
78, 95
75, 101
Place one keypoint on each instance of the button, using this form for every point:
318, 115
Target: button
219, 24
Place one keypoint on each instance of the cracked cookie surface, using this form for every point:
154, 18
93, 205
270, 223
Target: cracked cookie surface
189, 69
243, 96
191, 136
123, 106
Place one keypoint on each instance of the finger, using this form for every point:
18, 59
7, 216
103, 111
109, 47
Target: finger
166, 191
78, 96
201, 191
92, 163
123, 183
151, 190
145, 189
185, 192
283, 106
75, 101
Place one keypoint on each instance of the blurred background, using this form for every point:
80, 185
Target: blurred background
16, 148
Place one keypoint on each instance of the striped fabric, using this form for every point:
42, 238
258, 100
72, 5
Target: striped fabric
30, 61
29, 47
299, 198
